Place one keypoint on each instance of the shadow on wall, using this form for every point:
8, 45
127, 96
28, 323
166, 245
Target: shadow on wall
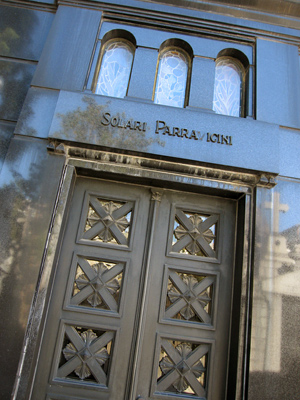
274, 367
28, 187
87, 124
16, 41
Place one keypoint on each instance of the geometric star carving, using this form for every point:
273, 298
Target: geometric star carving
195, 234
183, 368
190, 297
97, 284
86, 354
108, 221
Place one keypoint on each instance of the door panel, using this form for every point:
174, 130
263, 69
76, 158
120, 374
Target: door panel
87, 342
98, 343
185, 344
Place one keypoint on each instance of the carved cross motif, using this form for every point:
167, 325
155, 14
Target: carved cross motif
108, 221
85, 354
190, 295
195, 234
98, 283
183, 367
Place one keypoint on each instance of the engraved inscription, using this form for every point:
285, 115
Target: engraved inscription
164, 129
161, 127
118, 122
220, 139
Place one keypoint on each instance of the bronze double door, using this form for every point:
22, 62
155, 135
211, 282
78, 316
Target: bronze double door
141, 301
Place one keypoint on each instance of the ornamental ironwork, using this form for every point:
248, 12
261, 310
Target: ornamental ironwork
86, 354
183, 367
108, 221
195, 234
97, 284
189, 297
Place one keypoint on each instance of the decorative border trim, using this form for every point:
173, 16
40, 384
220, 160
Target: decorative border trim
216, 174
31, 5
26, 370
163, 13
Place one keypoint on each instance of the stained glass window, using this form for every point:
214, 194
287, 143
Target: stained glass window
115, 69
171, 78
228, 87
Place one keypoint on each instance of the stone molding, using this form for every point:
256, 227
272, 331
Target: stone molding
214, 173
269, 24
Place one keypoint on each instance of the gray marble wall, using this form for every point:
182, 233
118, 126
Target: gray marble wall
47, 61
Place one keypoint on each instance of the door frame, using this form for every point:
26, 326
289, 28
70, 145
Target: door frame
216, 181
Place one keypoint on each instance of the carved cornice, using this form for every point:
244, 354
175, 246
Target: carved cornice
169, 16
271, 23
35, 5
215, 174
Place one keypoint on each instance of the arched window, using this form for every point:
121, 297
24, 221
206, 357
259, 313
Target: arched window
172, 77
229, 89
115, 68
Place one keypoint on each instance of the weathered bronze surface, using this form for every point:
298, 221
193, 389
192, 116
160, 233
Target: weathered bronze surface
180, 251
53, 48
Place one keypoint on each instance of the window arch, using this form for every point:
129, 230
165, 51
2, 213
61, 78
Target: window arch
115, 64
230, 82
172, 75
